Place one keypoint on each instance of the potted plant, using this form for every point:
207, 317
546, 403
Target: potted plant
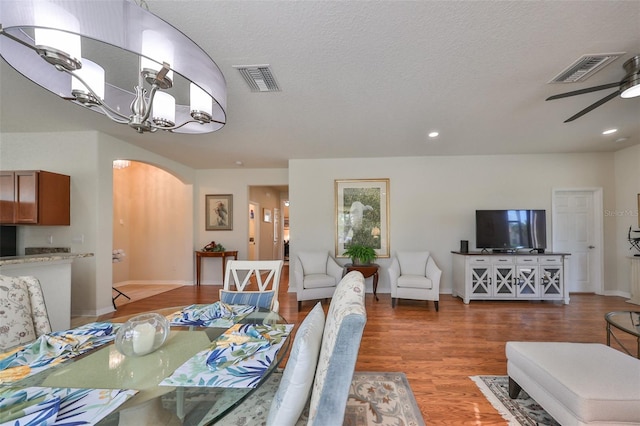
360, 254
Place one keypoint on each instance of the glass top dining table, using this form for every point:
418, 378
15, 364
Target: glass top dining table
106, 368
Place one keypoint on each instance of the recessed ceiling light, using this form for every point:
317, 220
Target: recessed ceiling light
610, 131
621, 139
239, 163
433, 134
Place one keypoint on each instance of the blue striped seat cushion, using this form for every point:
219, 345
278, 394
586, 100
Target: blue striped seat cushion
261, 299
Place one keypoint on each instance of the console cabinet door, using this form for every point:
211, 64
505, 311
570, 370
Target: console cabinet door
527, 278
480, 272
551, 282
504, 282
504, 279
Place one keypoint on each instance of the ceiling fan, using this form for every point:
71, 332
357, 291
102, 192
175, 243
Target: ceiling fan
628, 87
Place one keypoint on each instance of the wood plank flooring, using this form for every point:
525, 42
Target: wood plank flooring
141, 291
438, 351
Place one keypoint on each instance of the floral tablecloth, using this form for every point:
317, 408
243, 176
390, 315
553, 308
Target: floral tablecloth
216, 314
58, 406
238, 358
52, 349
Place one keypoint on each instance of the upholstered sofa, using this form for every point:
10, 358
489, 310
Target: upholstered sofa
313, 389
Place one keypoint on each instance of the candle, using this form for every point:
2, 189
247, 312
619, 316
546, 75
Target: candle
144, 336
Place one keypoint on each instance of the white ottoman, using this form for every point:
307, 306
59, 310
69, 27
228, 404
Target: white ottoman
577, 383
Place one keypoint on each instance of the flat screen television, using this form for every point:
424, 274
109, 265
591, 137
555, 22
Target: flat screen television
509, 230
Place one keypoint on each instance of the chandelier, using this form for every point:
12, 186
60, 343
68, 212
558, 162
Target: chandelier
121, 164
116, 58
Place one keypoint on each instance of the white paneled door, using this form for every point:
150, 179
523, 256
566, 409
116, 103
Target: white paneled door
577, 229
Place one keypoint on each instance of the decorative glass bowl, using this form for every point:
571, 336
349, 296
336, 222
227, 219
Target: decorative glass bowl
142, 334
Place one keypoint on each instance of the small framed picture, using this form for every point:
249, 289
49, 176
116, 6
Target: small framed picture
219, 212
266, 215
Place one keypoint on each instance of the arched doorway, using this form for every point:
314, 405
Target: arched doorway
152, 229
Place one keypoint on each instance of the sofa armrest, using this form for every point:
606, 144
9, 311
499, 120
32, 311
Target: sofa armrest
334, 269
298, 273
434, 273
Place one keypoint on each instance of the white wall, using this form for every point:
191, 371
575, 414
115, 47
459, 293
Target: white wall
433, 199
86, 157
624, 213
236, 182
72, 154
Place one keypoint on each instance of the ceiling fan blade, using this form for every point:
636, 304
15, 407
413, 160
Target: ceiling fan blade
583, 91
593, 106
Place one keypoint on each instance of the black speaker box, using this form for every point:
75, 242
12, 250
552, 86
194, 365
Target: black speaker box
464, 246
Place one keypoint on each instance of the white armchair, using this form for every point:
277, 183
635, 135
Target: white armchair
414, 275
317, 274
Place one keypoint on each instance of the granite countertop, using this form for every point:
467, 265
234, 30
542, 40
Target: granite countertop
44, 257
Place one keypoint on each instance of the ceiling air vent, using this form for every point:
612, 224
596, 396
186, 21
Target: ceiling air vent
258, 77
585, 67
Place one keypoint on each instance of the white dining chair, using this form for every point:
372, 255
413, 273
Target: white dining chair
242, 276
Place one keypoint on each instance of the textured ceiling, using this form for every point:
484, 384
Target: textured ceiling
372, 78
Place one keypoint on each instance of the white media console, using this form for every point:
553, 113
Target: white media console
510, 276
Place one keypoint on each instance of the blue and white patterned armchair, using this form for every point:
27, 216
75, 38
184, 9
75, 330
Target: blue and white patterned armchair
23, 314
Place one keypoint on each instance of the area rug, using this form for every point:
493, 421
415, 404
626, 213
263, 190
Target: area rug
520, 411
375, 399
381, 399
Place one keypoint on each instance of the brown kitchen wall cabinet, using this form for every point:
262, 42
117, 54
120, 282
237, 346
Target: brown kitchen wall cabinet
34, 197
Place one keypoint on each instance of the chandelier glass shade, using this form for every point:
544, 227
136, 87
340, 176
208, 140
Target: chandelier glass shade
121, 164
116, 58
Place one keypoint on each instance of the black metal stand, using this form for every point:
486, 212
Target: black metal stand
113, 299
634, 241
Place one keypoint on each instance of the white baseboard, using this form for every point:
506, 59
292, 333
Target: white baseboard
88, 313
152, 282
618, 293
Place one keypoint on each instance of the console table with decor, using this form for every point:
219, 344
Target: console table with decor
370, 270
222, 254
510, 276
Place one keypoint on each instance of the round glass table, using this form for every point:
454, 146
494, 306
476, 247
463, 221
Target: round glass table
106, 368
626, 321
